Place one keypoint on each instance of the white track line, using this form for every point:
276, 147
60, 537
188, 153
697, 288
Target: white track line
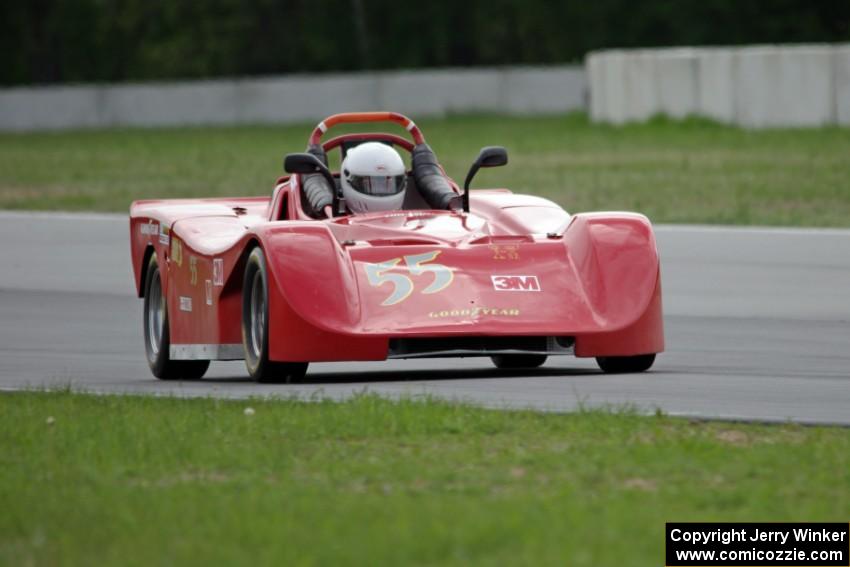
646, 411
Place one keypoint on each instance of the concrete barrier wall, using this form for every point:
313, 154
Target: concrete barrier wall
842, 84
758, 86
513, 90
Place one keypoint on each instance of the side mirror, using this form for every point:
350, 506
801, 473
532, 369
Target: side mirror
306, 163
303, 163
490, 156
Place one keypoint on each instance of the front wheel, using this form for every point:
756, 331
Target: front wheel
625, 364
157, 336
515, 361
255, 327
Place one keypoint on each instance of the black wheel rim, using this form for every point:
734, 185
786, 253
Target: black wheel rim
257, 312
155, 314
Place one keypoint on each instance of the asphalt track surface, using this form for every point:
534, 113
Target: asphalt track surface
757, 327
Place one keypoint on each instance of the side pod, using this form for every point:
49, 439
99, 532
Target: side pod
310, 272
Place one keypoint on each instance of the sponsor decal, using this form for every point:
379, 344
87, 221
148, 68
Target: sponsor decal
208, 288
414, 264
475, 312
408, 214
193, 270
163, 234
218, 272
177, 251
185, 303
149, 228
508, 252
515, 283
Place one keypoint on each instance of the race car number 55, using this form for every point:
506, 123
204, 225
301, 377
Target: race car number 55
417, 265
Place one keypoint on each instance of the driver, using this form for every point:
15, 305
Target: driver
373, 178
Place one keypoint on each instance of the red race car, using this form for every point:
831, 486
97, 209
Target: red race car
297, 278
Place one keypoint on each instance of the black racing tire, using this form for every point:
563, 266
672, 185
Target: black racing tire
255, 327
625, 364
158, 336
514, 361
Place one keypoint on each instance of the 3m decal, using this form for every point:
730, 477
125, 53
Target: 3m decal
149, 228
208, 289
417, 265
508, 252
474, 312
163, 234
177, 252
185, 303
218, 272
515, 283
193, 270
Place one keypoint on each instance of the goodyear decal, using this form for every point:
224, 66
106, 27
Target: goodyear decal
475, 312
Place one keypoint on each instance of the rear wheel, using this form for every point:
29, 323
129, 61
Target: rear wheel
509, 361
157, 336
255, 327
625, 364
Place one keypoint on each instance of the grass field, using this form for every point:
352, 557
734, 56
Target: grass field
687, 171
88, 480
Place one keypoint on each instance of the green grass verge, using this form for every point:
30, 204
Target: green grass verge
144, 481
673, 171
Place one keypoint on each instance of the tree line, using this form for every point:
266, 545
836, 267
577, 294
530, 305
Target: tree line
65, 41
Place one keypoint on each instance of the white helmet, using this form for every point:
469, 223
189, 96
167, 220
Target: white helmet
373, 178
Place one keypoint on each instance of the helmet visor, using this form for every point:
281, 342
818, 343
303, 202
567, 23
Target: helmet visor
380, 185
